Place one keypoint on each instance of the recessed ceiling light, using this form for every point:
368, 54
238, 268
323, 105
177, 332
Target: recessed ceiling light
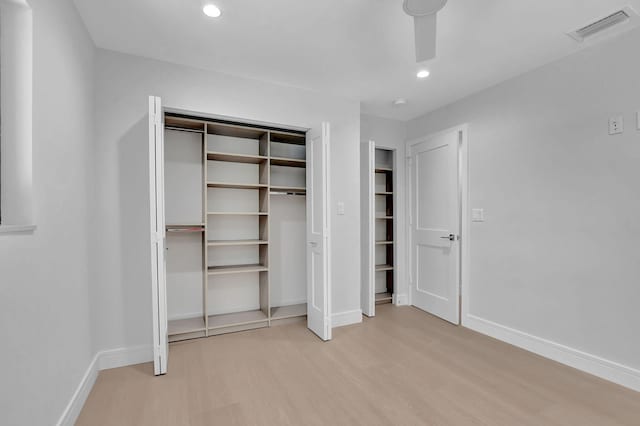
423, 74
212, 11
400, 102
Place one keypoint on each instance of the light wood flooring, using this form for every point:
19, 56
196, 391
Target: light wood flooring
403, 367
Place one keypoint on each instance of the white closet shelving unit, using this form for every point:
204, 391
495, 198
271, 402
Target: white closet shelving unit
236, 234
379, 227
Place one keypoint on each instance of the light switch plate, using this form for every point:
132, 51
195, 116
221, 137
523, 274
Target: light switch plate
477, 215
638, 120
341, 208
616, 125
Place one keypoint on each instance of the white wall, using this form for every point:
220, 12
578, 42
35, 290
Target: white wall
121, 292
392, 134
557, 257
16, 48
44, 279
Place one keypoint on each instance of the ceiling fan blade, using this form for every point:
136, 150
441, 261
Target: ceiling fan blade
425, 34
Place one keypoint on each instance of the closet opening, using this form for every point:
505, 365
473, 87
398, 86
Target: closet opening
235, 209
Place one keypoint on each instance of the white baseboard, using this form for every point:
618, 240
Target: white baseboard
401, 299
73, 409
103, 360
122, 357
341, 319
609, 370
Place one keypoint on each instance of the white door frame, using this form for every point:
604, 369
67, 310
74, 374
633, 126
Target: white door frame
465, 216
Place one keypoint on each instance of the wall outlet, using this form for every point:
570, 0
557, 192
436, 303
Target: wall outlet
616, 125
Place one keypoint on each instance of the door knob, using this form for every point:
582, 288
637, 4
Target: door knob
451, 237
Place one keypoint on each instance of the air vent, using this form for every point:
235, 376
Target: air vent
615, 19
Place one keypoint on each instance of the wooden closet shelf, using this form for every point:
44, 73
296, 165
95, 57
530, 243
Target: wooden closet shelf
238, 214
235, 130
291, 311
288, 137
288, 162
237, 185
188, 124
384, 268
381, 243
183, 129
236, 319
384, 193
384, 217
384, 297
294, 189
236, 269
187, 325
184, 228
380, 169
236, 158
218, 243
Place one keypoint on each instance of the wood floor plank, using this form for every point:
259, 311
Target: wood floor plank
402, 367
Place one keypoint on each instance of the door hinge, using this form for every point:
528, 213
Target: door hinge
155, 237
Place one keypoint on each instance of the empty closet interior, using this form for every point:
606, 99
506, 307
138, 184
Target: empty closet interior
236, 226
384, 226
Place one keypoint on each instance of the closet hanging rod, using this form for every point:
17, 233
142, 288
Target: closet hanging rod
301, 194
184, 229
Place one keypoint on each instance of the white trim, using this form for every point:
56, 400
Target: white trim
103, 360
401, 299
465, 232
122, 357
15, 229
74, 407
341, 319
609, 370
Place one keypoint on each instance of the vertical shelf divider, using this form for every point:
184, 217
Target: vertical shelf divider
265, 289
205, 235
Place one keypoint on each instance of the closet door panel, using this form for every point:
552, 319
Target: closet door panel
367, 181
157, 236
318, 269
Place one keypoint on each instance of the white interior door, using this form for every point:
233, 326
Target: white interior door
158, 235
435, 226
318, 272
367, 198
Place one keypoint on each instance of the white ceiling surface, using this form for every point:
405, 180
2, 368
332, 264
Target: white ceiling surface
360, 49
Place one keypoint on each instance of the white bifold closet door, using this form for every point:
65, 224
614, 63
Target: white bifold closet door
367, 181
158, 235
318, 270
